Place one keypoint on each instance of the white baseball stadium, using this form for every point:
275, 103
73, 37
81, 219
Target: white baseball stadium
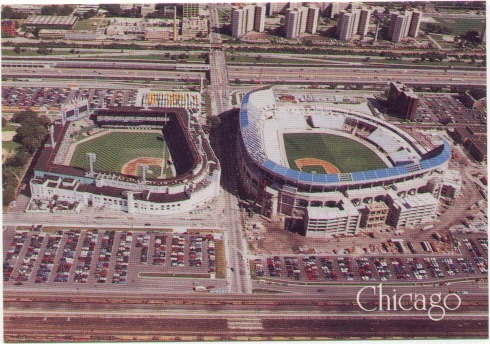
344, 194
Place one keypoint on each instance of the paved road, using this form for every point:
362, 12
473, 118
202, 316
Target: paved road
130, 74
338, 74
100, 316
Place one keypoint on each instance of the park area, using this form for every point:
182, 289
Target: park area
337, 153
121, 152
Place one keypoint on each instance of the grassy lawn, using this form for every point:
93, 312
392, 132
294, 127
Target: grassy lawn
115, 149
322, 60
220, 259
460, 26
10, 52
10, 146
10, 127
86, 25
346, 154
442, 42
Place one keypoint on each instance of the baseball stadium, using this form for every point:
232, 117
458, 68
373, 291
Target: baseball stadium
301, 161
136, 159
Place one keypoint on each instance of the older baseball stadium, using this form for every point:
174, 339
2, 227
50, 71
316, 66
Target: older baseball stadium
141, 160
335, 170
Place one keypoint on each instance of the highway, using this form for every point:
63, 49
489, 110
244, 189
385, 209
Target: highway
339, 74
113, 74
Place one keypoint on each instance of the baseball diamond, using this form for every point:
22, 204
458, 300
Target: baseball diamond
312, 165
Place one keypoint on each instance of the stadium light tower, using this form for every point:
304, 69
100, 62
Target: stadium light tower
91, 160
144, 169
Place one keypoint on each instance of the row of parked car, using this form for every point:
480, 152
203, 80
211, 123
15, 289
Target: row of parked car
311, 269
365, 269
47, 261
143, 242
384, 268
160, 252
122, 258
478, 256
177, 253
195, 251
34, 96
102, 267
328, 269
12, 254
30, 257
211, 253
66, 261
84, 260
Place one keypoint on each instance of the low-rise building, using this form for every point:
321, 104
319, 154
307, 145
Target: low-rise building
474, 99
341, 218
412, 210
81, 35
156, 34
8, 28
474, 139
51, 34
194, 27
50, 22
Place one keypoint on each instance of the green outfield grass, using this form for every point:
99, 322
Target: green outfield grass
346, 154
115, 149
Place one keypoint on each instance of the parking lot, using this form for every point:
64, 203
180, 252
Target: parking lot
53, 97
101, 258
470, 262
447, 109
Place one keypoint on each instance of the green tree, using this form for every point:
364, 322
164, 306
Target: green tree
89, 14
19, 159
42, 50
9, 13
8, 195
17, 50
20, 117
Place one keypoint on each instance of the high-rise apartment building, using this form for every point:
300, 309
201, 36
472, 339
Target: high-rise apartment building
404, 25
336, 7
312, 20
301, 20
247, 18
278, 7
365, 16
259, 20
353, 22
